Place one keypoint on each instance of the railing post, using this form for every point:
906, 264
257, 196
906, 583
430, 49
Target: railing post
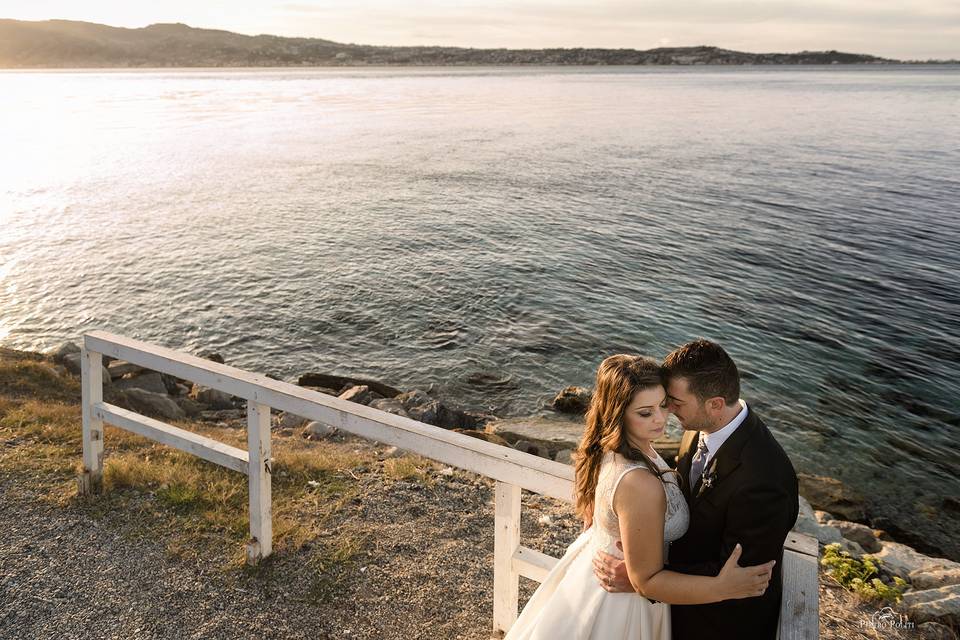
90, 481
506, 541
258, 448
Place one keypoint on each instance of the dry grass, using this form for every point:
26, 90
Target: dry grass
197, 508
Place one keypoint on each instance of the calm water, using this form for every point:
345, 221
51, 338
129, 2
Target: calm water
496, 233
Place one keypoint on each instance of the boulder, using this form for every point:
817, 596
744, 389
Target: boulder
531, 448
71, 363
317, 431
290, 421
64, 349
209, 354
483, 435
564, 456
824, 533
213, 398
935, 577
428, 412
413, 398
120, 368
859, 533
191, 407
940, 605
154, 404
901, 560
339, 382
147, 381
829, 494
572, 400
390, 405
361, 394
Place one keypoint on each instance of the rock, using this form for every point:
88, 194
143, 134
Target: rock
339, 382
64, 349
72, 362
935, 631
120, 368
572, 400
286, 433
62, 371
390, 405
361, 394
213, 398
533, 449
324, 390
209, 354
901, 560
171, 383
564, 456
823, 517
428, 412
147, 381
934, 605
413, 398
859, 533
290, 421
182, 390
483, 435
829, 494
824, 533
449, 418
191, 407
550, 433
446, 471
317, 431
393, 452
154, 404
935, 577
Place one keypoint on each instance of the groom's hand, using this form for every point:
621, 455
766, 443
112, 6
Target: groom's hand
611, 572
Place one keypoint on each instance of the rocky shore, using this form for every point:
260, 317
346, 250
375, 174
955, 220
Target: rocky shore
829, 511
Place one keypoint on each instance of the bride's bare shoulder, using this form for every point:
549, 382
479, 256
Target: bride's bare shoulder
638, 489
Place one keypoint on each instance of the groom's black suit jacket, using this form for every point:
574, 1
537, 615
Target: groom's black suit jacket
751, 499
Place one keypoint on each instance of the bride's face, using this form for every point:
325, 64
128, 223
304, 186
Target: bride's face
646, 416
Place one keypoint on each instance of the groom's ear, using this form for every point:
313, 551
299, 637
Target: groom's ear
716, 404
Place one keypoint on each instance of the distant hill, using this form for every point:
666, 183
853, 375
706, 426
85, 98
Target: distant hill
69, 44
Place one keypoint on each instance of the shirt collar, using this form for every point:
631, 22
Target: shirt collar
716, 439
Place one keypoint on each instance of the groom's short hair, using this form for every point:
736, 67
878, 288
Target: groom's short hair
709, 371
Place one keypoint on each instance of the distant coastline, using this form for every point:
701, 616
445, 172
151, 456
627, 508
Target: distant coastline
54, 44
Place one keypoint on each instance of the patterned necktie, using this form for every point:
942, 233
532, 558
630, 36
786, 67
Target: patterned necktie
699, 459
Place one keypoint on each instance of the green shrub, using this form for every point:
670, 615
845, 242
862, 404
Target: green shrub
860, 576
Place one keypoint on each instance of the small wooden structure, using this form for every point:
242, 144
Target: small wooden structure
512, 470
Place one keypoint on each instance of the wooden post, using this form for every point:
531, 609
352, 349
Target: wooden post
506, 541
90, 481
258, 447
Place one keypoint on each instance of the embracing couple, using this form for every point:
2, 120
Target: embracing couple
689, 554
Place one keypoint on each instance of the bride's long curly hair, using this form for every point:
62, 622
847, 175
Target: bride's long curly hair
619, 377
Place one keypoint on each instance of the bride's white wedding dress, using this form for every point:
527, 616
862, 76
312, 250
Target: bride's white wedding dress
570, 604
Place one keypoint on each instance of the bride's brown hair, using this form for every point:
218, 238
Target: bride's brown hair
619, 377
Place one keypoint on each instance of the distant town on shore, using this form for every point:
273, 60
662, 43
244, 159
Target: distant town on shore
71, 44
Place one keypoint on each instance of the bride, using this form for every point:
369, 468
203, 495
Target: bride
632, 498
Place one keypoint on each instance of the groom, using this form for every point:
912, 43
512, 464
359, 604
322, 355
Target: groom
740, 486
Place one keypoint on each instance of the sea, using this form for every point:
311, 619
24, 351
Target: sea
491, 234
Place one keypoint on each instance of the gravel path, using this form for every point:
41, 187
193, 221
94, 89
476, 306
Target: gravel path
427, 571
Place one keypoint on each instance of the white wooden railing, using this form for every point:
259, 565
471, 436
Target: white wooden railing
512, 470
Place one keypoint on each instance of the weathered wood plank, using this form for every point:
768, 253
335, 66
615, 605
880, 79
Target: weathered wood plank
506, 541
801, 543
259, 450
91, 393
201, 446
800, 606
533, 564
500, 463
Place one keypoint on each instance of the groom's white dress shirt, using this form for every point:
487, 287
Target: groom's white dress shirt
716, 439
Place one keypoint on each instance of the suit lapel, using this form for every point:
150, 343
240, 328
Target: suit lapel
685, 459
727, 459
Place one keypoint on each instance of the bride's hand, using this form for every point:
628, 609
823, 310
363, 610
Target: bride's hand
744, 582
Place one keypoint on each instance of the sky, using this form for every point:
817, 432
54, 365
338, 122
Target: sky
903, 29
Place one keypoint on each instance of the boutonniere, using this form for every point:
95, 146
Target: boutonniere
709, 479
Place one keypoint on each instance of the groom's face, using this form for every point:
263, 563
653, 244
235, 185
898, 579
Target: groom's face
690, 412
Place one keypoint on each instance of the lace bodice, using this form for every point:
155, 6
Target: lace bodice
605, 522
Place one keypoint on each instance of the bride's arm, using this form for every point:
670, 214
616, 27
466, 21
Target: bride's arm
640, 505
